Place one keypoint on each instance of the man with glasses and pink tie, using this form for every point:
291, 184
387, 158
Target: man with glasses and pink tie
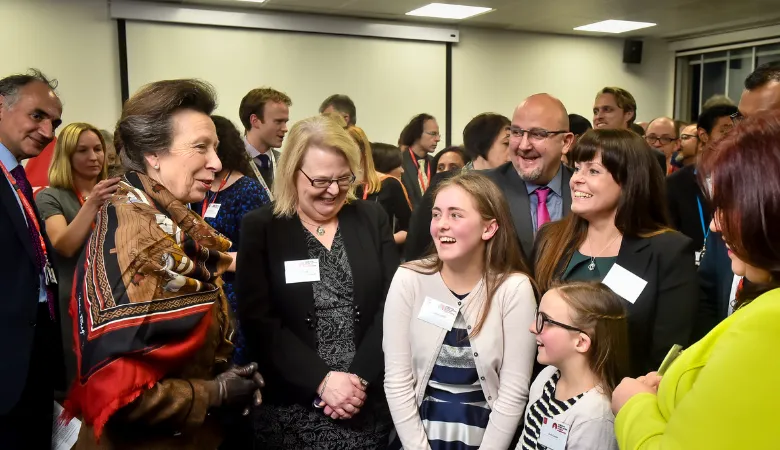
535, 182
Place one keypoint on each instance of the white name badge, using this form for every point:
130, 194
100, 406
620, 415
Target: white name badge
697, 255
624, 283
437, 313
305, 270
553, 435
212, 210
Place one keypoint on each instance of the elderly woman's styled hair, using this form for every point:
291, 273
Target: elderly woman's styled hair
146, 125
61, 169
317, 131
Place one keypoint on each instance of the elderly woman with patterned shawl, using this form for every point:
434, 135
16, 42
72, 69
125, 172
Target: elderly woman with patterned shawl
151, 323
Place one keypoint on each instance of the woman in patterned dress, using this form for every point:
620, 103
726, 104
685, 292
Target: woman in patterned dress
313, 271
457, 362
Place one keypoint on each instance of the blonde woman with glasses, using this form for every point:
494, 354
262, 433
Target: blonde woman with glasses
314, 268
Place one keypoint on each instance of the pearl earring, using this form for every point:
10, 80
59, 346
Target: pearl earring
156, 167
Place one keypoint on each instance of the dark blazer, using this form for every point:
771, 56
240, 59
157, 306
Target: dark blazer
418, 237
682, 192
715, 280
410, 177
268, 174
507, 179
19, 310
665, 311
276, 316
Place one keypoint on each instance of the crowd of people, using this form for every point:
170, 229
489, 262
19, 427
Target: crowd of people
551, 283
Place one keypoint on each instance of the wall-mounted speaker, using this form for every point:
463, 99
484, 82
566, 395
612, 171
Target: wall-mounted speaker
632, 51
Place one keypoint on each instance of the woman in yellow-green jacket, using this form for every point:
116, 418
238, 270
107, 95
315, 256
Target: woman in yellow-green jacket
724, 391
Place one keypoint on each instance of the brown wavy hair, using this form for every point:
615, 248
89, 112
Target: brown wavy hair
502, 256
600, 312
641, 209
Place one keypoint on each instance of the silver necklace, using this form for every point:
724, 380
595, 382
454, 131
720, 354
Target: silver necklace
592, 265
320, 228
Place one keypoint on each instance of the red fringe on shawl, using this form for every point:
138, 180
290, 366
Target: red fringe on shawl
121, 381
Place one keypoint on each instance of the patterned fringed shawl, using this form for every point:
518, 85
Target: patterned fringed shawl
143, 289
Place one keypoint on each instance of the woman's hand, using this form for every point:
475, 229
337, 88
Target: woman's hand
237, 385
344, 394
630, 387
102, 192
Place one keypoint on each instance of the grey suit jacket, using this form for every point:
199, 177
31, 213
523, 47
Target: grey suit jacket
507, 179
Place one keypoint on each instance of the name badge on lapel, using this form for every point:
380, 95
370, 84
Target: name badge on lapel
302, 271
553, 435
437, 313
624, 283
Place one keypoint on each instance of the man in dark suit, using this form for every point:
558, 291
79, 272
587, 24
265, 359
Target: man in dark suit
689, 210
264, 112
419, 140
30, 111
535, 181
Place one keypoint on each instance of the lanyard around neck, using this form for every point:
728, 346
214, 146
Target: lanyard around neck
28, 209
423, 185
206, 200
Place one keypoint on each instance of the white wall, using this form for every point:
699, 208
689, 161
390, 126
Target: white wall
390, 81
75, 42
495, 70
70, 40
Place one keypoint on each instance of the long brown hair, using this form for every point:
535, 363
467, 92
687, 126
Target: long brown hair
502, 256
370, 178
600, 312
641, 209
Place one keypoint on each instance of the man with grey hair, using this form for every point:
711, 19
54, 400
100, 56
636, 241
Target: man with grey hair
341, 105
30, 111
535, 181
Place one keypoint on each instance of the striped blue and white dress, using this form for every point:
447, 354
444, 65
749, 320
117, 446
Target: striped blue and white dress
454, 411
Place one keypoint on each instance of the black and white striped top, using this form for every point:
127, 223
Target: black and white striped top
546, 406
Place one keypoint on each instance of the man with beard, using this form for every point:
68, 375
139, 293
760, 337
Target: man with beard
535, 181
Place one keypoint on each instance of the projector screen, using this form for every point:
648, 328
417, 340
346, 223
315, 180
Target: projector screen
390, 81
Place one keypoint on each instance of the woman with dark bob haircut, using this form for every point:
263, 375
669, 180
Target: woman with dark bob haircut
154, 336
722, 392
618, 223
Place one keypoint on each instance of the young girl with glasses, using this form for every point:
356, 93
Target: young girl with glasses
582, 337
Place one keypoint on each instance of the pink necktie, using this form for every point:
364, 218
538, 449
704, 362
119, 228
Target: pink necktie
542, 214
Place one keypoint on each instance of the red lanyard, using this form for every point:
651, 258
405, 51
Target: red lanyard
423, 185
82, 200
206, 202
28, 209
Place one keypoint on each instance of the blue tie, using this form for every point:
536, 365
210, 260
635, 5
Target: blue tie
265, 161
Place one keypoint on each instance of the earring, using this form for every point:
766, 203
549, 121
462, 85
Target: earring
156, 167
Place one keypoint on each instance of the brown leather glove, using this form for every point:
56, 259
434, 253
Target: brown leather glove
237, 385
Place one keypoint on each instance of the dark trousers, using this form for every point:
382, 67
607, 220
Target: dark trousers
28, 425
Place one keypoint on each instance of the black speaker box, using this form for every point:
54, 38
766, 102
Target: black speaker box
632, 51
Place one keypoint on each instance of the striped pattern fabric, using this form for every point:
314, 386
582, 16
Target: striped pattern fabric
454, 411
546, 406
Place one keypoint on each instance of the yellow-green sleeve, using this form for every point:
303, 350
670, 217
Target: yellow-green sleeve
732, 403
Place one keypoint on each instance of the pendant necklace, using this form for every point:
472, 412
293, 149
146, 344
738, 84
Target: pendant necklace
320, 228
592, 265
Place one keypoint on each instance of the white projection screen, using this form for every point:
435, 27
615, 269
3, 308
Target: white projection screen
390, 81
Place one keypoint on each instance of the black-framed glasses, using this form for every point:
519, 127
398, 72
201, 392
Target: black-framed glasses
686, 137
737, 117
665, 140
536, 134
321, 183
542, 318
